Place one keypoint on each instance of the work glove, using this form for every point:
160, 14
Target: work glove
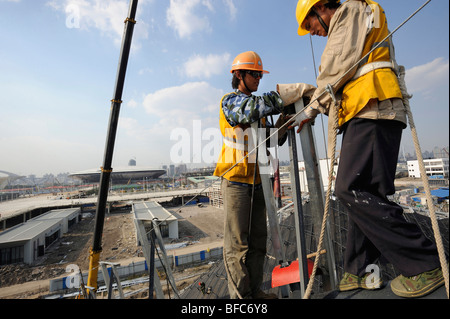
308, 115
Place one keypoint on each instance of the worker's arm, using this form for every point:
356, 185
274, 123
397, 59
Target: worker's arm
346, 38
243, 109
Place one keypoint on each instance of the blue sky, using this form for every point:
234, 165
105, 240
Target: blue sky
59, 58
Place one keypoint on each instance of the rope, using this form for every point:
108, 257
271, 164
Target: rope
423, 174
335, 123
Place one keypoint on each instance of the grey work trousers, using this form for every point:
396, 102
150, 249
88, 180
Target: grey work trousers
245, 238
376, 227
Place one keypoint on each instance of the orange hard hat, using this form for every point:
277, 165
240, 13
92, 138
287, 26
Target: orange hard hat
249, 60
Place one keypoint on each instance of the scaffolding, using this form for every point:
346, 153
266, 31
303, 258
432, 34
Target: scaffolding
215, 196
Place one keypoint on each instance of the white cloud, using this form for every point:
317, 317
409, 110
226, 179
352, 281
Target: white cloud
232, 8
132, 104
177, 105
145, 71
107, 16
427, 77
185, 116
132, 128
208, 4
183, 18
206, 66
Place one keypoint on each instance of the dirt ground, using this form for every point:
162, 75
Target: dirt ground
201, 225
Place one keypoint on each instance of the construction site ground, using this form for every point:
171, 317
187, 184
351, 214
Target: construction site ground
202, 228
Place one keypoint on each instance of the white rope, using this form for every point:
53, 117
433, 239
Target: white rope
424, 177
334, 109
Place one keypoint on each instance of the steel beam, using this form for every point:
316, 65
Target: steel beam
271, 207
316, 193
298, 213
142, 237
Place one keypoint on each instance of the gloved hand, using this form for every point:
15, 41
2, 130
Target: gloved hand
306, 116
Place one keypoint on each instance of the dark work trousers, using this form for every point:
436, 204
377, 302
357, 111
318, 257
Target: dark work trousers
245, 238
376, 227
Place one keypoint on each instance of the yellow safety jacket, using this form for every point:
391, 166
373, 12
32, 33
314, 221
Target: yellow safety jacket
235, 147
381, 82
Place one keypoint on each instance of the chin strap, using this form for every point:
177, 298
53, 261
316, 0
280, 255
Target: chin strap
324, 25
244, 74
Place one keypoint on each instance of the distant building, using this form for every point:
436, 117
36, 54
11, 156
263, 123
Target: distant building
26, 242
437, 167
171, 172
181, 169
120, 175
7, 178
324, 168
132, 162
149, 212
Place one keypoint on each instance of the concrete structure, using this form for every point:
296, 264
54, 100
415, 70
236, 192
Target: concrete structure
138, 268
437, 167
120, 175
203, 181
21, 208
7, 178
28, 241
215, 196
438, 195
68, 217
151, 211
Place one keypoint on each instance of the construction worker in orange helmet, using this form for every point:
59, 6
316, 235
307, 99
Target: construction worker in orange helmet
372, 117
248, 63
245, 236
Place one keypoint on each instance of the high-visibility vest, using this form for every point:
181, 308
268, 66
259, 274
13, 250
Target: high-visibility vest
235, 147
380, 83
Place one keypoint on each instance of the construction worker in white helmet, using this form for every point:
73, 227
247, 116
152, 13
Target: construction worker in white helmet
245, 236
372, 117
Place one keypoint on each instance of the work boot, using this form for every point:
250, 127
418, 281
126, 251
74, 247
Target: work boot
262, 295
419, 285
352, 282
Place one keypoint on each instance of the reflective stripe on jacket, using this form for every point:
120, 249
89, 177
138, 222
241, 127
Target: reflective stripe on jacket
381, 84
356, 27
241, 111
235, 147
